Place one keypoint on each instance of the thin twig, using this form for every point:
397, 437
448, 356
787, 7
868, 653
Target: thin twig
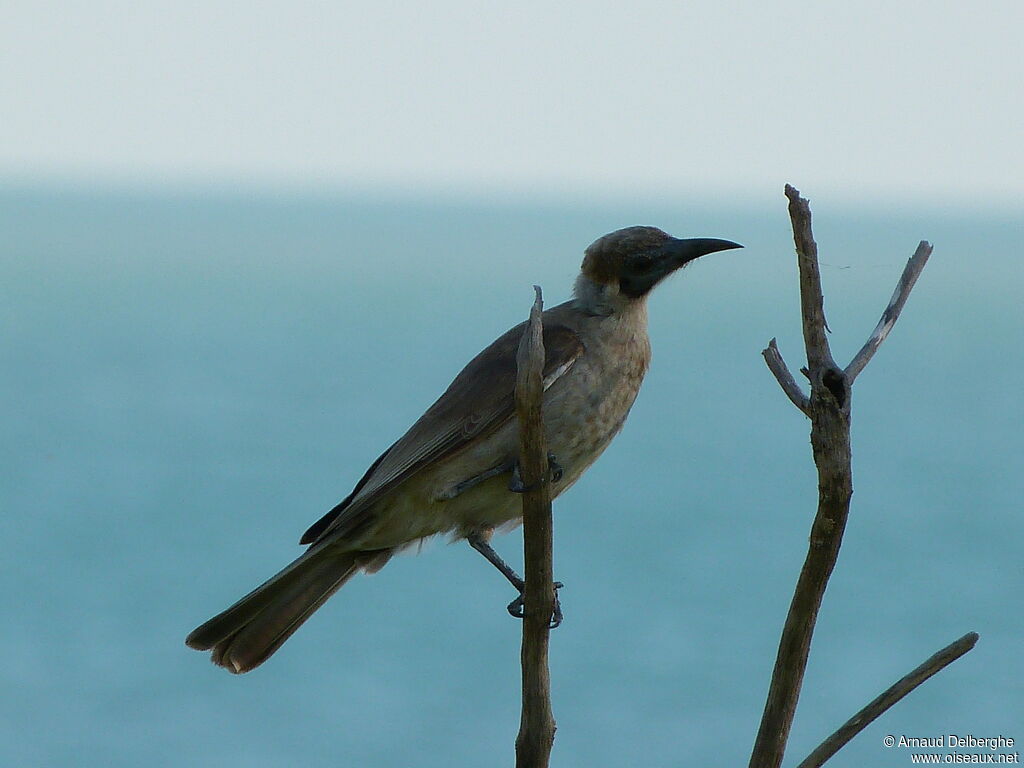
777, 365
890, 696
892, 312
537, 726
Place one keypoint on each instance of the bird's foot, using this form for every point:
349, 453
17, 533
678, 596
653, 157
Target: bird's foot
554, 468
516, 608
516, 484
478, 540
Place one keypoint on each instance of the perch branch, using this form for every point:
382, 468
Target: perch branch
537, 725
890, 696
892, 312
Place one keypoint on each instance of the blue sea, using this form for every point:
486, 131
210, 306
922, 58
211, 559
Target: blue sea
192, 377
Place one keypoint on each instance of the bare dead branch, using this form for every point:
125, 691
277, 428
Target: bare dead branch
892, 312
537, 725
777, 365
812, 307
890, 696
828, 409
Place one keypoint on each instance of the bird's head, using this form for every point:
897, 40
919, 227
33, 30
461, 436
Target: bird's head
623, 266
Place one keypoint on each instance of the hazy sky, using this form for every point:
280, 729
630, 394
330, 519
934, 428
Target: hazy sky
916, 100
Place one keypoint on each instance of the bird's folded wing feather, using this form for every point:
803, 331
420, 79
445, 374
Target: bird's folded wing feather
479, 401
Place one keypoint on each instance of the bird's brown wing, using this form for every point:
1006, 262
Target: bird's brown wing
478, 402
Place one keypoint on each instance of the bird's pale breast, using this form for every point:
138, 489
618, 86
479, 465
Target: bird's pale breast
583, 411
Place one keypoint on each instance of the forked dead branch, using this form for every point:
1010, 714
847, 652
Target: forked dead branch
828, 408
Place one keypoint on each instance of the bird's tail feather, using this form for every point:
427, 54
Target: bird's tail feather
247, 633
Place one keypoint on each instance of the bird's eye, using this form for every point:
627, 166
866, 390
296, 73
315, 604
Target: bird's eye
643, 260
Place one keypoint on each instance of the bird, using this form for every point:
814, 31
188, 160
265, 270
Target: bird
455, 470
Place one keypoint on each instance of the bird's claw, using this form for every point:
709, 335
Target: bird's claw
516, 608
516, 484
555, 468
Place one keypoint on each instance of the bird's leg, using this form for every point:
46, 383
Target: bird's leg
516, 484
478, 541
472, 482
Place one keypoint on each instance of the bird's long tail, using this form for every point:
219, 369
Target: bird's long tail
248, 633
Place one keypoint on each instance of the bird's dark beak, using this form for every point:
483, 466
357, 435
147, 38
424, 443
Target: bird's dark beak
669, 257
680, 252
